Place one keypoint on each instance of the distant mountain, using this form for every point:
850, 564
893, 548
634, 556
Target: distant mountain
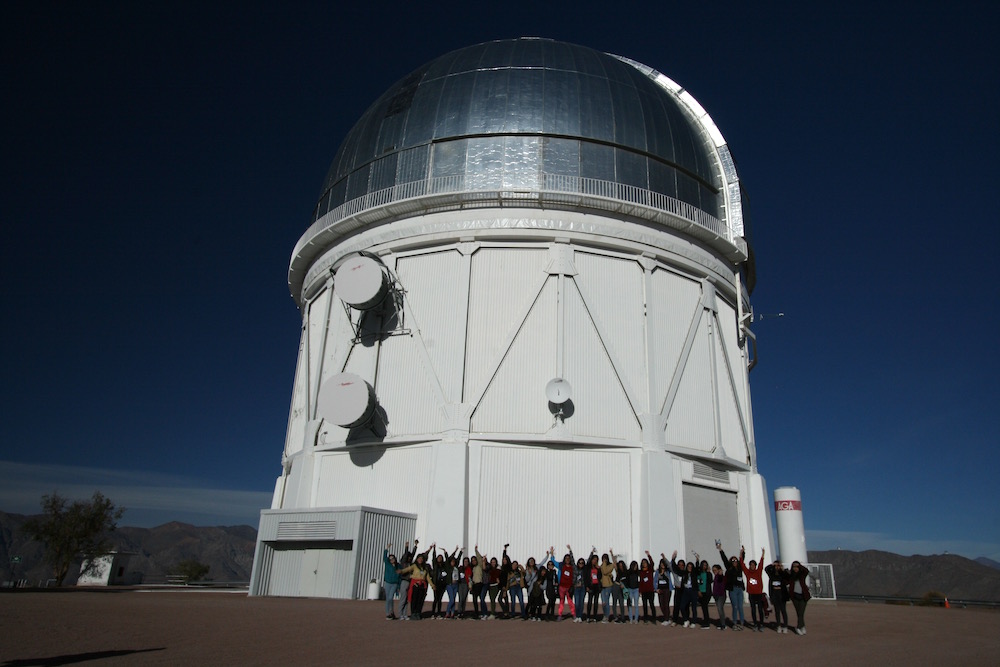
988, 562
884, 573
227, 550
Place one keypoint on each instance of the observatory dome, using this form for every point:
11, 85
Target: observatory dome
527, 114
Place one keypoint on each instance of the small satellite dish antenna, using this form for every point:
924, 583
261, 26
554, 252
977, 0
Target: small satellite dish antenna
346, 400
361, 282
558, 391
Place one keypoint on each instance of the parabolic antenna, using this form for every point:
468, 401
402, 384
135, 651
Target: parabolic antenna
346, 400
360, 282
558, 391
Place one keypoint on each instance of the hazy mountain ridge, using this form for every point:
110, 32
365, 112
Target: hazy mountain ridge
227, 550
883, 573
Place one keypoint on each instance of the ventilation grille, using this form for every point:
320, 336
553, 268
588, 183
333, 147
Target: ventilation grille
307, 530
708, 473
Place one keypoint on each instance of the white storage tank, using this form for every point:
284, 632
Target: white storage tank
791, 528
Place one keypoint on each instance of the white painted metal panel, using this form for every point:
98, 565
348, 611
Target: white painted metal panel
285, 571
317, 321
601, 407
727, 322
339, 340
691, 420
503, 284
515, 400
377, 530
297, 416
672, 303
437, 285
536, 497
731, 436
393, 478
709, 515
407, 389
615, 297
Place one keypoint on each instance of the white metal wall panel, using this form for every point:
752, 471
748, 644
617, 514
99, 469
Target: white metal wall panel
535, 497
671, 305
503, 284
297, 416
600, 405
515, 400
730, 431
406, 388
285, 572
397, 480
436, 287
691, 421
377, 530
709, 515
339, 340
727, 321
318, 318
615, 295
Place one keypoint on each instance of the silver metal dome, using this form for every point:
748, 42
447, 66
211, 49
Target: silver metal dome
509, 114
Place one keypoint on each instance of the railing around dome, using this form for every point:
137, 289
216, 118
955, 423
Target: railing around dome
546, 188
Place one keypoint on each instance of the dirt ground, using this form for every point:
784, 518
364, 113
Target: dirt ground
126, 627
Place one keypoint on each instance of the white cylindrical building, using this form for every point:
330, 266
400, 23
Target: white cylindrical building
791, 528
539, 212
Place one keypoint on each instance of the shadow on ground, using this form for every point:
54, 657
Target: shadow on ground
74, 658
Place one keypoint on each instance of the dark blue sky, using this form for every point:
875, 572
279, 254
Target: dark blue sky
159, 161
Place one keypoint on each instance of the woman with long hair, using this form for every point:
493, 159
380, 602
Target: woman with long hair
664, 584
755, 587
798, 588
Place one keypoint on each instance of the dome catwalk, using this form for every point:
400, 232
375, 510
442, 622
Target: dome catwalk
525, 308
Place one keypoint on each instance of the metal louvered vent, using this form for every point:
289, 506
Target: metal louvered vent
307, 530
708, 473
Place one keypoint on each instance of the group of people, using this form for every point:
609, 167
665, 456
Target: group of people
593, 589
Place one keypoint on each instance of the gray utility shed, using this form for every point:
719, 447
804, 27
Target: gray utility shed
327, 552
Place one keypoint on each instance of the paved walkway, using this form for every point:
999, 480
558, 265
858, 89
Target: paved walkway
124, 627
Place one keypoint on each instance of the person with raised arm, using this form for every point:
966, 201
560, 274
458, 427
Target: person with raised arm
551, 584
567, 571
404, 581
390, 581
734, 586
420, 579
607, 572
478, 573
664, 585
685, 586
755, 588
455, 575
647, 588
580, 587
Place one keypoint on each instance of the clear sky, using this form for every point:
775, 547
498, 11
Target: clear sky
160, 160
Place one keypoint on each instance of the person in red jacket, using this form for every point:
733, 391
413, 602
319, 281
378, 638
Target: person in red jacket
755, 587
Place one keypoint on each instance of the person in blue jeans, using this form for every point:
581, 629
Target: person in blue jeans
607, 583
390, 581
735, 585
632, 586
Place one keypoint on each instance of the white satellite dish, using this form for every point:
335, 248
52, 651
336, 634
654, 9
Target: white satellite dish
558, 391
346, 400
361, 282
